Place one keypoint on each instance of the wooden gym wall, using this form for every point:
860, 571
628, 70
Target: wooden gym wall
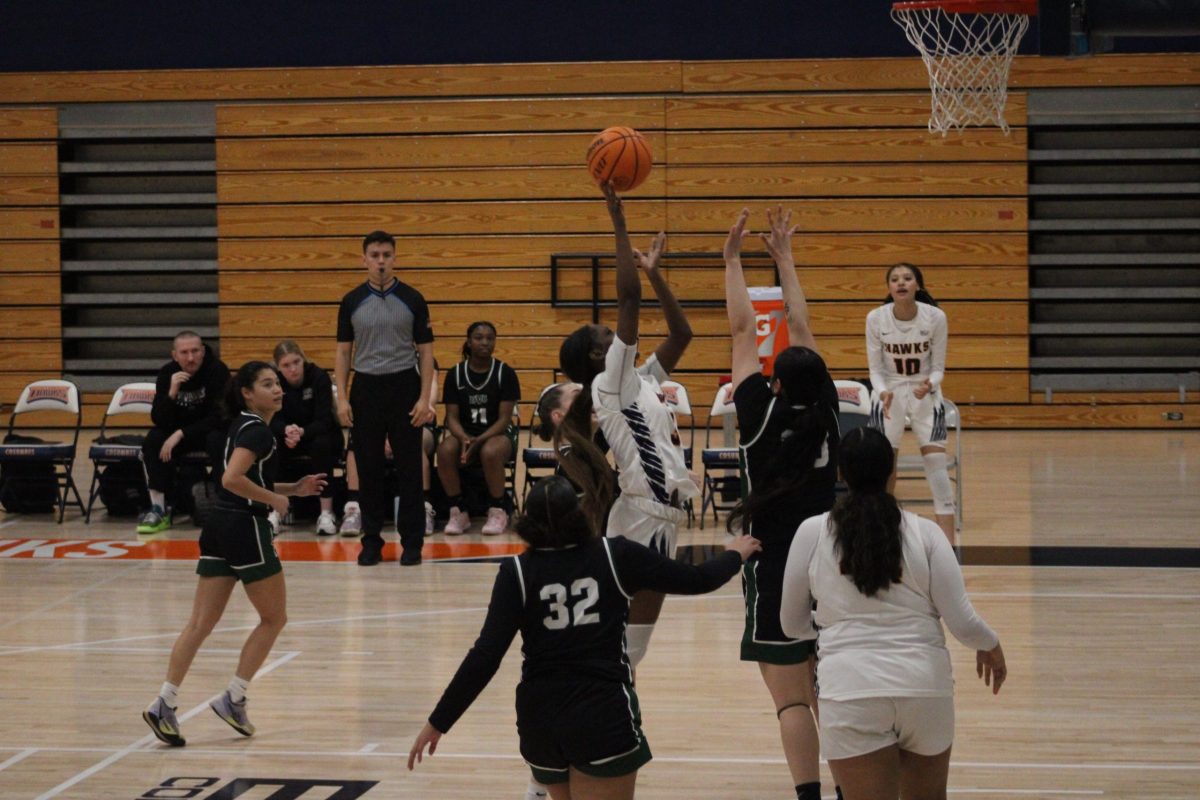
478, 171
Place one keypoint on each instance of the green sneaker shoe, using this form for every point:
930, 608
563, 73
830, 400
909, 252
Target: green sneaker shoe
154, 521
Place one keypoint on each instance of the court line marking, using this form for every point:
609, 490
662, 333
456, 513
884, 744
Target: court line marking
376, 753
21, 756
238, 628
150, 737
68, 598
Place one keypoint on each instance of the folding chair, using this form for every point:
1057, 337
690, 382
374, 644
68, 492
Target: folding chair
132, 398
913, 466
854, 405
675, 395
53, 396
722, 465
542, 459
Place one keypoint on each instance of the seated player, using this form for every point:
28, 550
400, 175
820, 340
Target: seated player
480, 394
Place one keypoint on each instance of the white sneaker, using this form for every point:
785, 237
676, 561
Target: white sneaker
458, 523
429, 517
273, 518
326, 524
497, 522
351, 520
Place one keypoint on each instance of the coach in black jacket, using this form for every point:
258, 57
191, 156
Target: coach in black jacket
186, 415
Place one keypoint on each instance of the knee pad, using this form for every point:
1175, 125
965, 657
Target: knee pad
637, 640
939, 483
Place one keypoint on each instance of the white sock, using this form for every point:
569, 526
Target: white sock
237, 689
351, 506
170, 694
536, 790
158, 499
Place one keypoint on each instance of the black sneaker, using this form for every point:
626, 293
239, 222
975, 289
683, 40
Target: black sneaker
371, 553
410, 557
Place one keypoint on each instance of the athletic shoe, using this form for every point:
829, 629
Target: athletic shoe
429, 517
458, 523
410, 557
154, 521
326, 524
372, 551
351, 520
536, 792
161, 719
497, 522
233, 713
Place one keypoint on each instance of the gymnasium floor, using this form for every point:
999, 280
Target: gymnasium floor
1101, 700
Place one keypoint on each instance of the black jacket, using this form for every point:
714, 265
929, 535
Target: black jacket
309, 405
197, 409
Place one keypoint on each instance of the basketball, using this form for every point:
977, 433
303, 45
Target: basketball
621, 156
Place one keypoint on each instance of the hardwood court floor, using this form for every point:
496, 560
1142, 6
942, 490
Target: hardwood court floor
1101, 702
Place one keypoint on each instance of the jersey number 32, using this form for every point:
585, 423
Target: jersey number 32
585, 593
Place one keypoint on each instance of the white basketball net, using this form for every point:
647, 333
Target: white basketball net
968, 57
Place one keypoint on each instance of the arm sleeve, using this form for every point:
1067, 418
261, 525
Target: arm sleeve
949, 593
642, 568
751, 399
653, 368
422, 325
618, 386
510, 384
875, 360
322, 422
795, 608
937, 355
345, 322
477, 669
256, 438
162, 410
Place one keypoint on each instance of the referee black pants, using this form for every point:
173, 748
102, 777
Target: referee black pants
380, 405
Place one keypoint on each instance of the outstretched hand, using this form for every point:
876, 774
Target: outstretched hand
737, 234
616, 209
648, 262
428, 737
779, 239
310, 485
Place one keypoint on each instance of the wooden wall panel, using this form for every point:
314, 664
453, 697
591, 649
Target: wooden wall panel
16, 290
290, 84
812, 249
29, 223
426, 152
30, 355
850, 110
351, 186
28, 190
842, 180
885, 214
28, 123
30, 322
443, 218
441, 116
836, 146
28, 158
29, 256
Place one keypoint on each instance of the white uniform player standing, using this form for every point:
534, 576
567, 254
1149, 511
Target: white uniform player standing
906, 353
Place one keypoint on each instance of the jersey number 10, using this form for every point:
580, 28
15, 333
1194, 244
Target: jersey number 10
585, 592
907, 366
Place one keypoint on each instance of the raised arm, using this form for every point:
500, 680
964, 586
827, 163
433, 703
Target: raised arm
744, 338
679, 331
795, 307
629, 285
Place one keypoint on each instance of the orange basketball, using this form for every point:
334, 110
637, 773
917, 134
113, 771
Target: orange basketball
621, 156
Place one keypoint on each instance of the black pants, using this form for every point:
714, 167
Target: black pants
318, 455
380, 404
160, 475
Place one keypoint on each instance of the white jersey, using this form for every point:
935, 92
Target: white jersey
640, 428
906, 351
889, 645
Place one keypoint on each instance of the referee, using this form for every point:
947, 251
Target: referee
384, 331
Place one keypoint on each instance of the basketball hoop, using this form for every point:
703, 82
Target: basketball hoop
968, 48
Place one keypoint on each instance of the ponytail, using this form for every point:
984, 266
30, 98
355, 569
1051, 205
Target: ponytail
582, 461
866, 521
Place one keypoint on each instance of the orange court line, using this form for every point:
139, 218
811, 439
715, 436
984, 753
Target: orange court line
339, 550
